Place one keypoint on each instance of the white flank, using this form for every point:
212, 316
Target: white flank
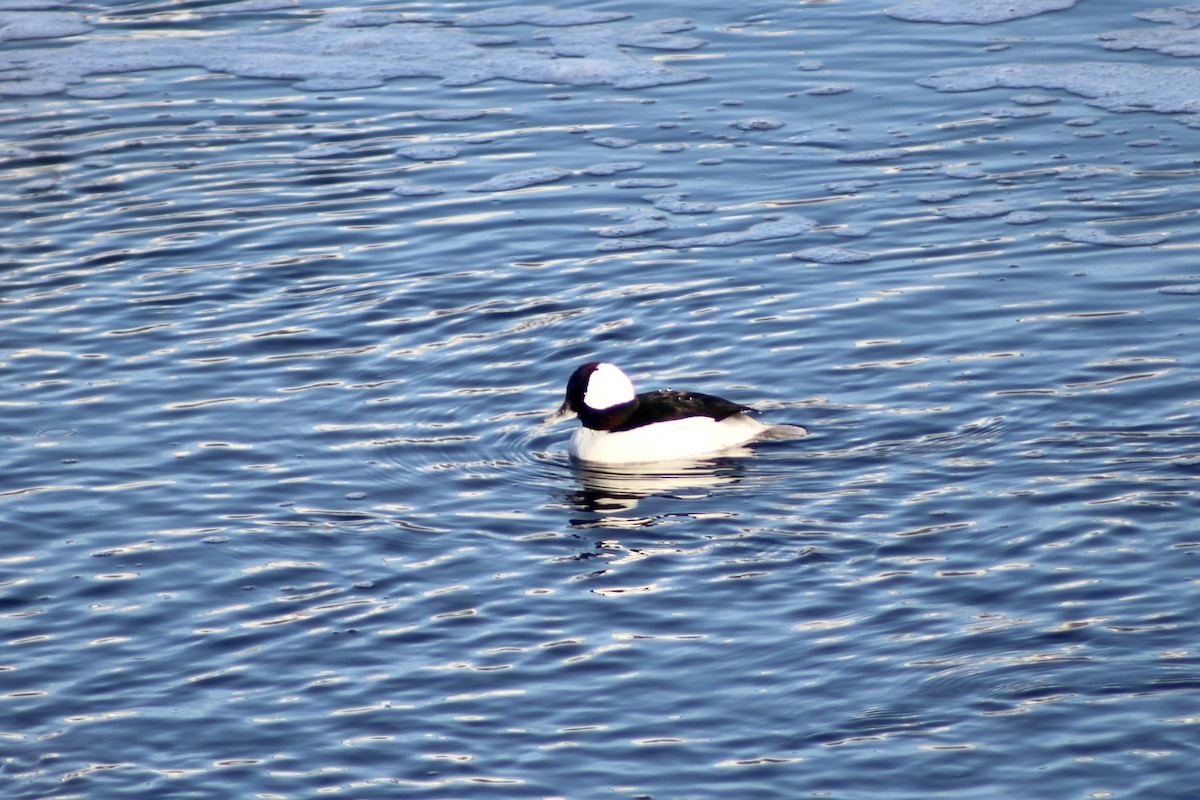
685, 438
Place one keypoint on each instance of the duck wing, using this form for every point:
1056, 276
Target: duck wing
665, 405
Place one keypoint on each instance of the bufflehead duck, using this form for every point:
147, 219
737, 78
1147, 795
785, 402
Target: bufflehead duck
620, 426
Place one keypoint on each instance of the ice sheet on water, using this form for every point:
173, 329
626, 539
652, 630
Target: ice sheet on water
942, 195
828, 89
36, 185
451, 114
1117, 87
406, 188
758, 124
247, 6
677, 203
614, 142
867, 156
544, 16
324, 151
1026, 217
40, 24
1029, 99
977, 12
1095, 236
355, 50
637, 225
853, 186
831, 255
975, 211
520, 179
645, 183
612, 167
773, 226
600, 40
966, 172
1014, 112
1180, 39
428, 152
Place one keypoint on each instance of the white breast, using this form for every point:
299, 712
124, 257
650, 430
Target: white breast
665, 441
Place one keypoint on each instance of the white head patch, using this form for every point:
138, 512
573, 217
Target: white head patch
607, 387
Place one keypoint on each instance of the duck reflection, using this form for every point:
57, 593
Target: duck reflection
607, 494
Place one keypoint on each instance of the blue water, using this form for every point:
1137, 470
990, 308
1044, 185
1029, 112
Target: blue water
281, 518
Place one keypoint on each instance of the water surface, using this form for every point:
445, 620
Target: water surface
288, 290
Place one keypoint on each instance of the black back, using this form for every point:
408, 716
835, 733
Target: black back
665, 405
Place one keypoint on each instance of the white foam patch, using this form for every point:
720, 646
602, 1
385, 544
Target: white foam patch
1117, 87
356, 50
976, 12
520, 180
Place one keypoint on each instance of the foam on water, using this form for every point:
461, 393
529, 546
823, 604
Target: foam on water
775, 226
1116, 87
520, 179
612, 167
354, 50
31, 24
406, 188
831, 255
1095, 236
428, 152
975, 211
977, 12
